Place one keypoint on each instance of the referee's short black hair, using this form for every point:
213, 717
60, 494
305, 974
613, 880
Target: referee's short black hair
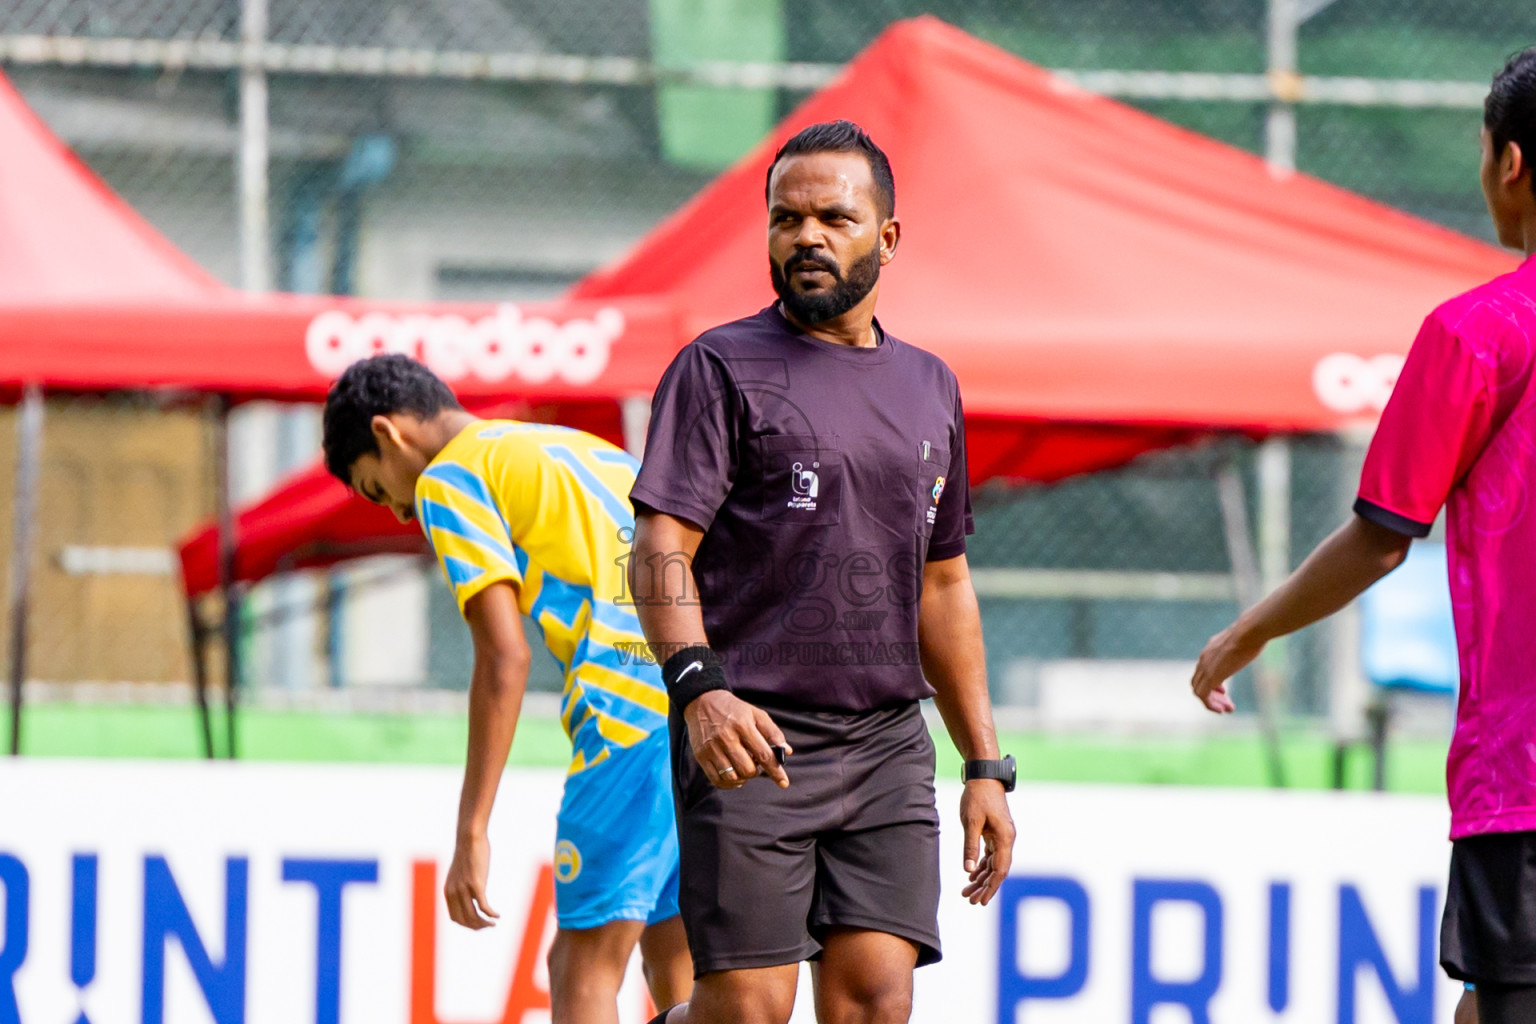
1509, 112
377, 386
843, 137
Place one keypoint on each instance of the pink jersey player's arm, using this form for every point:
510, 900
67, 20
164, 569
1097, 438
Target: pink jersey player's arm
496, 692
1436, 422
1342, 568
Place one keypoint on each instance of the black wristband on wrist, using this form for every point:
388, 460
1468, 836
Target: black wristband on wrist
691, 673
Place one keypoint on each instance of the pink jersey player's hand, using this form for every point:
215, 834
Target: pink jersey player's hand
1224, 656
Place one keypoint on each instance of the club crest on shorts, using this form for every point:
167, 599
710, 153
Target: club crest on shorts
567, 861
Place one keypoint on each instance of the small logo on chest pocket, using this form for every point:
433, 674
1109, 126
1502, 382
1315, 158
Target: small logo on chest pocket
938, 489
806, 485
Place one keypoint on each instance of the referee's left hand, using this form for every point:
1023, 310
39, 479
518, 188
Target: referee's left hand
989, 827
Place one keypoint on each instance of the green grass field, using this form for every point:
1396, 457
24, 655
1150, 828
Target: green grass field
1226, 759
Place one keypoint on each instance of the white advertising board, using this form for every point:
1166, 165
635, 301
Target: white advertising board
189, 893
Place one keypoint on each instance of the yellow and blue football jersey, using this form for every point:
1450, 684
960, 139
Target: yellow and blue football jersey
547, 509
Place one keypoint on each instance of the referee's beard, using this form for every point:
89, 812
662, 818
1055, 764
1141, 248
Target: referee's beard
821, 306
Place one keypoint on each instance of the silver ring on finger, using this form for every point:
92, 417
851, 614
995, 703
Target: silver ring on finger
727, 770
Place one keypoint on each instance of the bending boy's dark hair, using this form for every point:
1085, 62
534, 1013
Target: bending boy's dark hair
1509, 112
371, 387
843, 137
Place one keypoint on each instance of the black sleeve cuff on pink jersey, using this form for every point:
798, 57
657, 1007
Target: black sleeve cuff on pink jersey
1373, 512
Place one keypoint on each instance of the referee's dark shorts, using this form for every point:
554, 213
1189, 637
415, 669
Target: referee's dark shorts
852, 843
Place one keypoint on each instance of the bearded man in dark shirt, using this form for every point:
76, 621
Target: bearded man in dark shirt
799, 569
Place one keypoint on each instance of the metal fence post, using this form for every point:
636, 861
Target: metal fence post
1280, 124
255, 276
1349, 691
1272, 467
29, 440
1286, 84
635, 415
255, 243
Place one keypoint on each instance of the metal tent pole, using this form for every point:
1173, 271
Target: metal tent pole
1250, 588
199, 637
29, 440
227, 584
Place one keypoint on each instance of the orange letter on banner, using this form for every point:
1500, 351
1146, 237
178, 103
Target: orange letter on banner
524, 995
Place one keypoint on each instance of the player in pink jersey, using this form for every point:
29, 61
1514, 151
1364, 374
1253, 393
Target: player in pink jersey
1459, 432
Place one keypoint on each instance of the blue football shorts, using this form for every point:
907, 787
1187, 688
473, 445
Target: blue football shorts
616, 840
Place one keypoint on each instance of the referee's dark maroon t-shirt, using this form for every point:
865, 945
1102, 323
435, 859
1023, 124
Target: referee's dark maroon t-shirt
824, 477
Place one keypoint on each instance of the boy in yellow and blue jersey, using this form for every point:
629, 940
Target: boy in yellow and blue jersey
532, 519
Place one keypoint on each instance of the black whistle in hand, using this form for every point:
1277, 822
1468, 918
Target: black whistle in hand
779, 755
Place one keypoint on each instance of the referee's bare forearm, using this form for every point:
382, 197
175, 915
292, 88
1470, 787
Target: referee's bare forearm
954, 658
661, 578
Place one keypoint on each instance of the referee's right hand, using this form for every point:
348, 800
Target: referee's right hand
733, 741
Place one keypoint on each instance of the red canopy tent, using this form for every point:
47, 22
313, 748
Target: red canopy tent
1077, 261
93, 299
1103, 283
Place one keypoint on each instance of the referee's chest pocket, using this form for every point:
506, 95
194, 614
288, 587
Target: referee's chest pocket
802, 479
932, 479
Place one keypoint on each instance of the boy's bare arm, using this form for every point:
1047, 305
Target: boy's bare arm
496, 692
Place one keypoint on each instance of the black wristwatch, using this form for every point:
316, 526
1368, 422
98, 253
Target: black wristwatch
1003, 771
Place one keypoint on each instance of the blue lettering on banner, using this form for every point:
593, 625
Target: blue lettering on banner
1014, 987
82, 922
329, 877
1147, 991
166, 916
13, 951
1279, 946
1359, 947
82, 936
